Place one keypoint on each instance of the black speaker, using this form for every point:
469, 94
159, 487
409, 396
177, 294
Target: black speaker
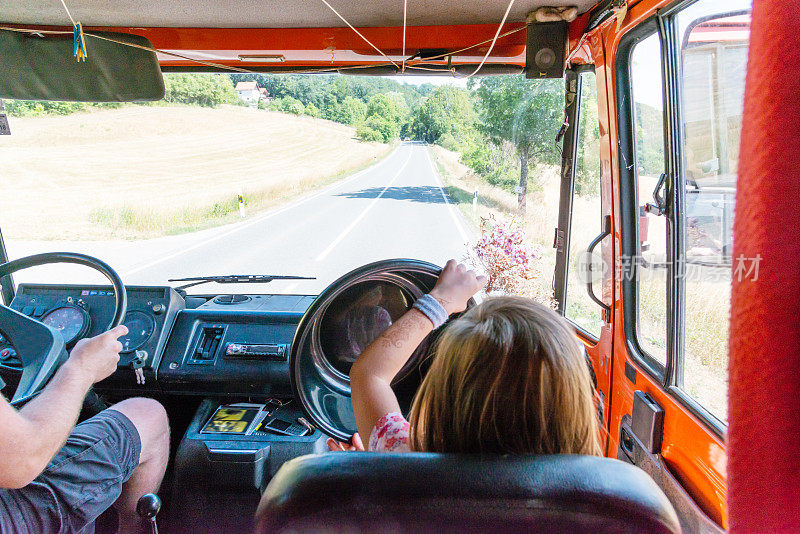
545, 49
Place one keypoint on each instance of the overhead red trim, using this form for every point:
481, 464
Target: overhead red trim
326, 46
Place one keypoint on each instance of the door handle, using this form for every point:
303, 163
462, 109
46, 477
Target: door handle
589, 289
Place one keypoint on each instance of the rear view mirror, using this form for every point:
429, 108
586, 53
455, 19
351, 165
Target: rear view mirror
42, 67
720, 29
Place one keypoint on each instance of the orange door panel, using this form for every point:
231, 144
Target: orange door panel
691, 464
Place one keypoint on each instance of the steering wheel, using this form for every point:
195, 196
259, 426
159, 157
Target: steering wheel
39, 347
340, 322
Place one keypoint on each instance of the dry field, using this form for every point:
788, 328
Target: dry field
144, 171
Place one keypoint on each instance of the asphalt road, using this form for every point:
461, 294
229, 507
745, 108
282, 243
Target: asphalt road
394, 209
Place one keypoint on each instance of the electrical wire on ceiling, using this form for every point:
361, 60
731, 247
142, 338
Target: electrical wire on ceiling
360, 34
470, 47
405, 10
491, 47
68, 13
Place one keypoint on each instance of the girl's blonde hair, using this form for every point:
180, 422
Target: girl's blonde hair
508, 376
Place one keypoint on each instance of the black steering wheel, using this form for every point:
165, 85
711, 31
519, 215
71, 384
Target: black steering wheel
342, 320
39, 347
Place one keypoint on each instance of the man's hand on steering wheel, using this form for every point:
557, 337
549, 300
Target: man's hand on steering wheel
94, 359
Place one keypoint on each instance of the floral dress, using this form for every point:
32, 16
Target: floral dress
390, 434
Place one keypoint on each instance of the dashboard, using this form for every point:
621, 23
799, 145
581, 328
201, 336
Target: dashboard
228, 344
238, 348
85, 311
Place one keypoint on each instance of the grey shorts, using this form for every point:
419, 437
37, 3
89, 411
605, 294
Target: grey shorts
80, 482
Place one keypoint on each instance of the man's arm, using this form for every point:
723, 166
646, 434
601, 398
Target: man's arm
31, 437
373, 371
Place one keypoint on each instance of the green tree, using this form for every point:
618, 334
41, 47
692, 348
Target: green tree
209, 90
447, 112
311, 110
334, 94
368, 134
352, 111
649, 139
389, 106
35, 108
387, 113
587, 170
525, 113
387, 128
289, 104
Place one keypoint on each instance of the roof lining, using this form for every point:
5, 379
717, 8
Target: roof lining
271, 13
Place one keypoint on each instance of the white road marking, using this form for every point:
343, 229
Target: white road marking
241, 226
450, 207
363, 214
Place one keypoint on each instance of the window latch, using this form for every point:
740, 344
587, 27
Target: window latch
660, 206
562, 130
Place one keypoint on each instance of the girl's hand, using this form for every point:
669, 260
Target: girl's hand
338, 446
455, 286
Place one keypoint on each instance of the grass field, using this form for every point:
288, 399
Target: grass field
145, 171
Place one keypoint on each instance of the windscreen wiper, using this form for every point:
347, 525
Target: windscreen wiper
236, 279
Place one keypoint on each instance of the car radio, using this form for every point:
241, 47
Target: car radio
269, 351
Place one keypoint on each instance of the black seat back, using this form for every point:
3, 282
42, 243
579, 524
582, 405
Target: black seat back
425, 492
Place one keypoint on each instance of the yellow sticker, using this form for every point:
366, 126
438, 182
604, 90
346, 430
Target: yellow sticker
231, 420
227, 426
226, 414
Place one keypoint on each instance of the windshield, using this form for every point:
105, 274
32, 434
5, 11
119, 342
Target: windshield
306, 175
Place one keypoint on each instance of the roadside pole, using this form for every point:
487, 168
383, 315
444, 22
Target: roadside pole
241, 204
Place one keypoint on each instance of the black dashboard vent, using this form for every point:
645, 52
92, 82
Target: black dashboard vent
208, 343
231, 299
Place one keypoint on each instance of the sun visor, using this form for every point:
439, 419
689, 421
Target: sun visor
119, 67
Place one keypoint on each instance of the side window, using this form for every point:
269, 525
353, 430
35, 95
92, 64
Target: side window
713, 58
649, 264
586, 212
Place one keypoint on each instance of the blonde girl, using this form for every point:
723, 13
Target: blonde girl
508, 376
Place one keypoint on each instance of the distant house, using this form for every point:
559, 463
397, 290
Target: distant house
251, 93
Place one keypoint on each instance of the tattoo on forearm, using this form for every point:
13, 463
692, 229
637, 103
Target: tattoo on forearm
396, 335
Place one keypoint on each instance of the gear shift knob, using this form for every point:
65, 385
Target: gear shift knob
148, 507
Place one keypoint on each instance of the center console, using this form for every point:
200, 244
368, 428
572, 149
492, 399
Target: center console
228, 456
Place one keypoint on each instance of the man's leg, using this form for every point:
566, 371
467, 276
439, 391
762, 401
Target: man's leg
116, 456
150, 420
